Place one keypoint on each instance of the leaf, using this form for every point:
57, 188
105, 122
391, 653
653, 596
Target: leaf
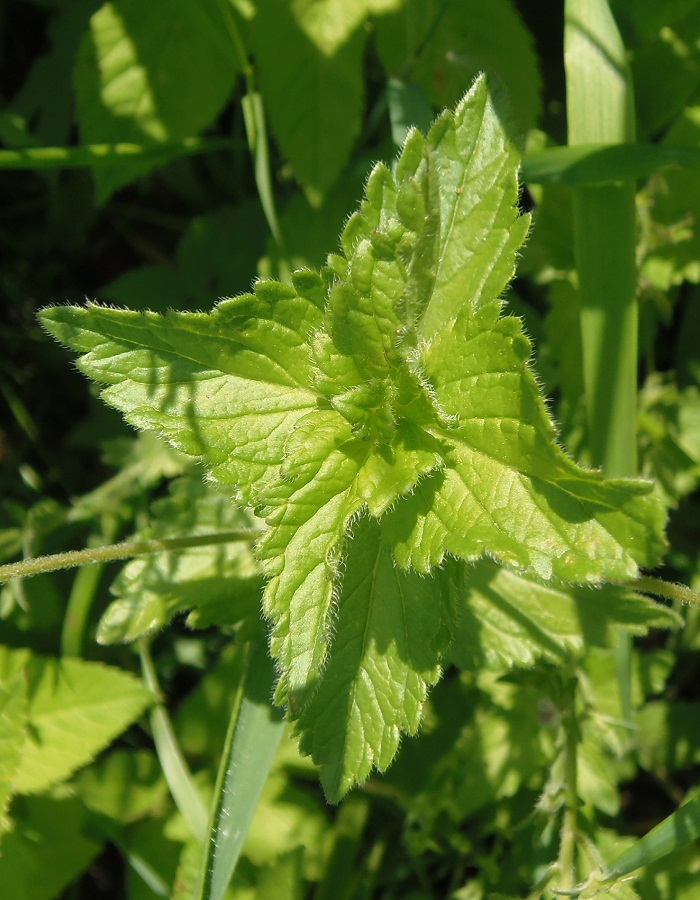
50, 845
450, 43
13, 712
317, 134
389, 628
253, 736
389, 387
75, 709
125, 785
674, 832
504, 619
219, 584
151, 75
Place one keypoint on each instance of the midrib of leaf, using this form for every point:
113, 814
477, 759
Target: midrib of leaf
463, 182
235, 346
473, 171
362, 655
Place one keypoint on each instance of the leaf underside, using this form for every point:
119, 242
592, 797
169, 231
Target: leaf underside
380, 416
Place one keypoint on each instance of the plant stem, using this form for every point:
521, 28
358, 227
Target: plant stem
567, 847
96, 156
255, 127
254, 733
125, 550
680, 593
80, 600
175, 769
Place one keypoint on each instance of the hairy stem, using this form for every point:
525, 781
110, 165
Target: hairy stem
124, 550
567, 847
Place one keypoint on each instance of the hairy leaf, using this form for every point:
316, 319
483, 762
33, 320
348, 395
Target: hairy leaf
505, 619
389, 637
219, 584
389, 389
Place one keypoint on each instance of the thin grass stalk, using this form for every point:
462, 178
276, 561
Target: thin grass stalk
600, 109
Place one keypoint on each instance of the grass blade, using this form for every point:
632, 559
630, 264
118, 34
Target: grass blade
679, 829
593, 164
600, 108
254, 733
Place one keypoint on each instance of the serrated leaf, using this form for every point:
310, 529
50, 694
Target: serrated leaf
504, 619
151, 74
75, 709
218, 584
519, 496
390, 632
390, 386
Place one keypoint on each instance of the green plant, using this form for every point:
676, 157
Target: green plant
401, 499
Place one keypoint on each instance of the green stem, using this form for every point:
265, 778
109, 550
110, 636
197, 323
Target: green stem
96, 156
254, 733
569, 831
256, 129
175, 769
125, 550
679, 593
80, 601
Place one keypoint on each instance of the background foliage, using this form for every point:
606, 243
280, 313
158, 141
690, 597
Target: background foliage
204, 144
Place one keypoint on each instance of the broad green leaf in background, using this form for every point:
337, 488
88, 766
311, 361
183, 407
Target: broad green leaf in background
125, 785
74, 709
13, 714
390, 384
444, 45
331, 23
665, 52
48, 847
295, 58
151, 74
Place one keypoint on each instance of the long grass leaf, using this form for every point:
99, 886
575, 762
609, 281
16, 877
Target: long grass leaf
254, 733
679, 829
595, 164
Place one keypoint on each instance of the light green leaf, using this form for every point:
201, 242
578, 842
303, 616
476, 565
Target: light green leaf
504, 619
519, 496
227, 386
75, 709
219, 584
391, 385
390, 631
13, 714
151, 74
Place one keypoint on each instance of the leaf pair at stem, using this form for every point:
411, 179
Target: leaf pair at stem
380, 416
